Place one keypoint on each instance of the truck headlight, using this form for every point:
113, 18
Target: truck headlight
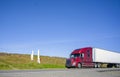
74, 63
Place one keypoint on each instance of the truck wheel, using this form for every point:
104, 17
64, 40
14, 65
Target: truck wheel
109, 65
96, 66
99, 65
117, 65
79, 65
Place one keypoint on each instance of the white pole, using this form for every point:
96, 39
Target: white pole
38, 60
32, 55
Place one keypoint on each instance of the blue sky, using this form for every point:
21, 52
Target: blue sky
57, 27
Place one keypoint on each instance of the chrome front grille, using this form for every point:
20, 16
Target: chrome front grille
68, 63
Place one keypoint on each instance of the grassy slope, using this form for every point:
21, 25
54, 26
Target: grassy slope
22, 61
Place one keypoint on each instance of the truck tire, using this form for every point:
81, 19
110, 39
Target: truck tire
79, 65
97, 65
117, 65
109, 65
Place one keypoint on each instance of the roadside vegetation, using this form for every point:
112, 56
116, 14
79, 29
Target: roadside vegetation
23, 61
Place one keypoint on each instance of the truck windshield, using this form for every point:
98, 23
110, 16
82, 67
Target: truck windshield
74, 55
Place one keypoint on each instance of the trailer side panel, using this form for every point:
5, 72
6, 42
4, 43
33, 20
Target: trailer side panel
105, 56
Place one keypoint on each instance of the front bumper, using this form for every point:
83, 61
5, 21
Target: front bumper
69, 64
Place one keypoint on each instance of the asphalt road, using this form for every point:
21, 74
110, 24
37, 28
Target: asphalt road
88, 72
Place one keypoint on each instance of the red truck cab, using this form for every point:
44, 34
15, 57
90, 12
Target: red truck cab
80, 58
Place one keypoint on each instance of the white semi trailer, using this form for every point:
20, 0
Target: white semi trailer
101, 56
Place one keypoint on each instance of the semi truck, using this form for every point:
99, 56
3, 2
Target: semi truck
93, 57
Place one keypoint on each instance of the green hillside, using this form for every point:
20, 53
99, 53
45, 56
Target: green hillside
22, 61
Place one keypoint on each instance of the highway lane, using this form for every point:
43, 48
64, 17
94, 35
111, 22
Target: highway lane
88, 72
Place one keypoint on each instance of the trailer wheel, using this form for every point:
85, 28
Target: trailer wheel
79, 65
117, 65
99, 65
109, 65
